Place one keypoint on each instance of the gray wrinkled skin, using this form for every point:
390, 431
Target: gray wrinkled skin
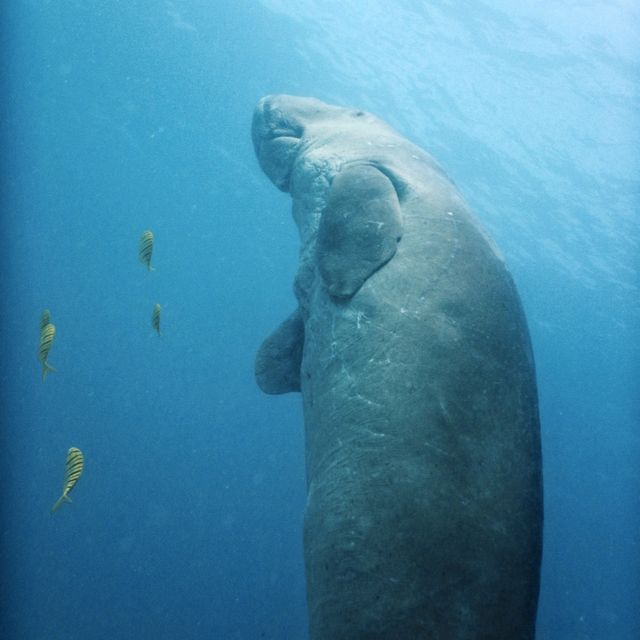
411, 351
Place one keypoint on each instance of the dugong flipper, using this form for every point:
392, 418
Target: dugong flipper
411, 350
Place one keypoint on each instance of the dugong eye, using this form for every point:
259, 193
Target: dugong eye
358, 114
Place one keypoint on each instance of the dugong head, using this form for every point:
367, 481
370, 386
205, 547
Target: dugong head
344, 169
286, 128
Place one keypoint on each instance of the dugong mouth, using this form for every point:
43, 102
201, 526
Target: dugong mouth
276, 140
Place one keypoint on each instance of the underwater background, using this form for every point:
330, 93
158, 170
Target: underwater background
119, 117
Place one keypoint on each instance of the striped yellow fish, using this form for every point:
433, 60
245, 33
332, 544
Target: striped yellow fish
155, 317
73, 470
146, 249
47, 334
45, 319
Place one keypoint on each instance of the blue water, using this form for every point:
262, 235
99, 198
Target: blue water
119, 117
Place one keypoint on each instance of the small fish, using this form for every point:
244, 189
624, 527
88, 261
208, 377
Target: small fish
146, 249
155, 317
73, 470
47, 334
45, 319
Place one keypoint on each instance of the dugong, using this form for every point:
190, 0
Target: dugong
412, 354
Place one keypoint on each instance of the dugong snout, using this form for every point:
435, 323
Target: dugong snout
276, 134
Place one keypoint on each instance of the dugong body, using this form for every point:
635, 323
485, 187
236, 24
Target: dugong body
411, 351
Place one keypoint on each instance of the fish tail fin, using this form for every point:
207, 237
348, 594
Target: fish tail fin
59, 501
46, 368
